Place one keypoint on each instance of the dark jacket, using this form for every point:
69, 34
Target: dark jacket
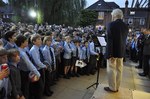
116, 39
15, 81
146, 50
140, 42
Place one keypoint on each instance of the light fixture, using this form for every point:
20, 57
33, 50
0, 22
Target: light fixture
32, 13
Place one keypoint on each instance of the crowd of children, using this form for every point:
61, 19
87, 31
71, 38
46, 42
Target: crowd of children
37, 56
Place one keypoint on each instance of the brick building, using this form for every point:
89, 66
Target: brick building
135, 17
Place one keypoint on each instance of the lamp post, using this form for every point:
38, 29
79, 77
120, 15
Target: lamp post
32, 13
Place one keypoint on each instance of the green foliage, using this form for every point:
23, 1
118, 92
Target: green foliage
63, 11
16, 19
87, 17
39, 17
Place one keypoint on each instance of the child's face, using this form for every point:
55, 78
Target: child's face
68, 40
16, 58
38, 42
86, 44
25, 44
3, 59
77, 44
48, 43
13, 39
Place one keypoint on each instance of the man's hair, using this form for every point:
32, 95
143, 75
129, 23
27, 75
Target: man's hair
34, 37
3, 51
12, 53
20, 39
46, 38
117, 13
9, 34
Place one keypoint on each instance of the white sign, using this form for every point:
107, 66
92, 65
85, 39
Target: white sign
102, 41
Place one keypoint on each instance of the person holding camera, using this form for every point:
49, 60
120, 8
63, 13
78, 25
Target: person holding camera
5, 86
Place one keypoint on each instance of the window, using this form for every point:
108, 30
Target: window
100, 15
132, 12
142, 21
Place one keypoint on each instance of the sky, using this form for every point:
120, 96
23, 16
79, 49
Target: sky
121, 3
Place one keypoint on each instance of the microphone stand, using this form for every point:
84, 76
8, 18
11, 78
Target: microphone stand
97, 78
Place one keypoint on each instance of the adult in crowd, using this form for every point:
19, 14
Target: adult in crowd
146, 53
117, 32
140, 46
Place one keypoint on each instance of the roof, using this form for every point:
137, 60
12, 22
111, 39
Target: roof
102, 5
113, 5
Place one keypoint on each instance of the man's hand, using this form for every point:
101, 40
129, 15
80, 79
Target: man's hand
17, 97
4, 73
22, 97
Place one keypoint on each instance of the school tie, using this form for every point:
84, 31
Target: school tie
94, 48
41, 55
52, 57
69, 45
30, 58
70, 49
77, 52
133, 45
28, 55
86, 53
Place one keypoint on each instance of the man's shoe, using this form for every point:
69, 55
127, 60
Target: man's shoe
142, 74
138, 67
109, 90
87, 74
77, 75
72, 74
49, 93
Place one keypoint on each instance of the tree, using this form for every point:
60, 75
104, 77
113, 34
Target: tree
87, 17
2, 3
63, 11
51, 11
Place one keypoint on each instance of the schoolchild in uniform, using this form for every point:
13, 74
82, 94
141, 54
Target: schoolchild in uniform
93, 55
48, 59
37, 57
85, 56
76, 56
5, 86
67, 57
10, 37
25, 65
15, 78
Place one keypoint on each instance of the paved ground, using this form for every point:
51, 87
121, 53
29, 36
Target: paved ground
132, 86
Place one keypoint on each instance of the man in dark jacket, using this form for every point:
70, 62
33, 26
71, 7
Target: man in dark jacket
140, 46
146, 54
117, 32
